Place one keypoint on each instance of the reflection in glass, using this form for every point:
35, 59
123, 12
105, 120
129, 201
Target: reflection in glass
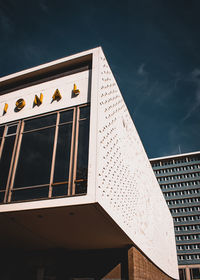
32, 193
82, 157
1, 130
182, 274
195, 273
40, 122
5, 160
30, 176
11, 129
60, 190
84, 112
2, 196
34, 164
81, 187
66, 116
61, 171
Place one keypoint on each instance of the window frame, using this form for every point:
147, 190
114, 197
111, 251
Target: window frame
72, 158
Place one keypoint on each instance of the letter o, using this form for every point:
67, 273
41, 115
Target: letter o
20, 103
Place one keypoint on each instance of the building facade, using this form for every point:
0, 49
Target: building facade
179, 179
78, 196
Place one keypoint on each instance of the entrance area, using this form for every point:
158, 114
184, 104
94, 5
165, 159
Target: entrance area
126, 263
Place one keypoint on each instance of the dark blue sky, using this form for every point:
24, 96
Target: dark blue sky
152, 46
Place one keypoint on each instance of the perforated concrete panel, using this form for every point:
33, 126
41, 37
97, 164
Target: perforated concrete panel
126, 186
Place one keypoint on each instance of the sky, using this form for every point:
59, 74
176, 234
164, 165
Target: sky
152, 47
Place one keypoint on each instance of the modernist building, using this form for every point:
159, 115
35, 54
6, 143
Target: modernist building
179, 179
79, 198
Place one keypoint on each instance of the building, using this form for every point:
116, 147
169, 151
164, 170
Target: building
79, 198
179, 179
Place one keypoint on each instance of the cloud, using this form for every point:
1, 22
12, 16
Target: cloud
141, 70
194, 77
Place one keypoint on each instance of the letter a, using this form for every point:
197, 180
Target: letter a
57, 96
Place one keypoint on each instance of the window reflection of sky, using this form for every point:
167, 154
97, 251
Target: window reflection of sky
43, 152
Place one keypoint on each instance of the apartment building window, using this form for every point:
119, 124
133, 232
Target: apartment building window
45, 156
182, 274
195, 273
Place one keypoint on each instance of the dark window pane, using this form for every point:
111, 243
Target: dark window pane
5, 160
60, 190
81, 187
34, 164
32, 193
40, 122
2, 196
182, 274
1, 130
61, 171
11, 129
195, 273
85, 112
83, 142
66, 116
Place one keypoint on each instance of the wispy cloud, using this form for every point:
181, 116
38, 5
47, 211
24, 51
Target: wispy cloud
194, 77
141, 71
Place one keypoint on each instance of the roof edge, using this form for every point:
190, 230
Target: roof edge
175, 156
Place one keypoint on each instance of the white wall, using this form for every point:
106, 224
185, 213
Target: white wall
126, 185
64, 85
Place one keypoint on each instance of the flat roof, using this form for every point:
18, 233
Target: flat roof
175, 156
45, 71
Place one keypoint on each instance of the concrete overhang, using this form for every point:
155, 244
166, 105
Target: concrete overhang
77, 227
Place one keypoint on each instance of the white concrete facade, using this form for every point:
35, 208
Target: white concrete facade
120, 177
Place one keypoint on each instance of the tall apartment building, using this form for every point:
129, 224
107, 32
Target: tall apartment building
78, 196
179, 179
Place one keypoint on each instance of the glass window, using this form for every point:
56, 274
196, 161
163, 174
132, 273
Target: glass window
37, 123
11, 129
82, 156
30, 193
66, 116
182, 274
6, 160
195, 273
1, 131
61, 171
34, 163
49, 159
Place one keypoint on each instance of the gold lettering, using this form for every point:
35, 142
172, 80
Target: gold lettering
75, 90
37, 100
20, 103
57, 96
5, 108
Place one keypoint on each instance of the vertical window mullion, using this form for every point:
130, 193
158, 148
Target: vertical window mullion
2, 141
14, 160
1, 150
75, 150
54, 154
73, 142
